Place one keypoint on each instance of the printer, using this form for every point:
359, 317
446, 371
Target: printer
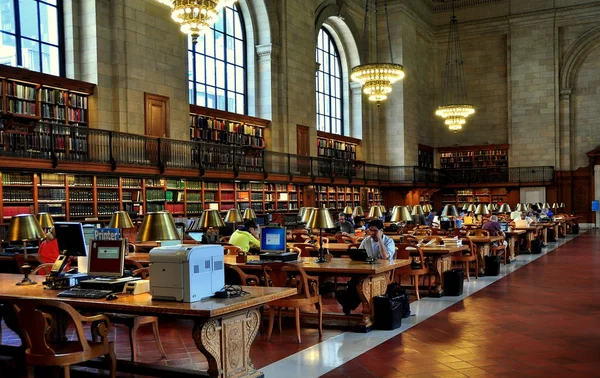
186, 273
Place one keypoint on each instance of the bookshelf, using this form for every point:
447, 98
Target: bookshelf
486, 156
335, 198
77, 197
485, 196
336, 146
425, 158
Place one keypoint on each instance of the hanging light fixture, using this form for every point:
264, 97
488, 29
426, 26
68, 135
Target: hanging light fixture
376, 78
455, 108
196, 16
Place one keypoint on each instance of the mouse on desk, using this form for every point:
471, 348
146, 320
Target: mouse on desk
111, 297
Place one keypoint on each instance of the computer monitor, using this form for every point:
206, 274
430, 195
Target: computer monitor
88, 233
70, 238
504, 226
272, 239
197, 236
107, 258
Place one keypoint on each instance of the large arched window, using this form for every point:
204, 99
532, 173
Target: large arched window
216, 65
30, 35
329, 85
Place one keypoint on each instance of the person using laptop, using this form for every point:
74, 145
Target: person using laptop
378, 246
245, 236
344, 225
493, 226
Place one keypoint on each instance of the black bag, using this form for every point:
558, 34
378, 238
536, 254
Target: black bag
454, 280
536, 246
492, 265
388, 312
575, 229
391, 228
551, 237
394, 291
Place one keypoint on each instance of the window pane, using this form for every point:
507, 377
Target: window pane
220, 45
229, 21
190, 65
50, 60
191, 93
239, 52
239, 80
211, 100
29, 19
231, 101
200, 70
221, 99
30, 51
48, 24
240, 104
210, 71
7, 16
231, 77
200, 95
8, 50
210, 44
219, 24
230, 50
328, 84
220, 74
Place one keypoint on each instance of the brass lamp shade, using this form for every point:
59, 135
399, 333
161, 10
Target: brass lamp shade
481, 210
449, 211
358, 212
522, 207
409, 208
158, 226
562, 205
546, 205
249, 214
24, 227
307, 213
375, 212
504, 208
300, 212
348, 210
471, 207
234, 216
320, 218
211, 218
465, 206
382, 208
555, 205
417, 210
45, 220
400, 214
120, 219
427, 208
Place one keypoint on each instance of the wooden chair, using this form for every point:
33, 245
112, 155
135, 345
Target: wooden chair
416, 268
37, 316
306, 249
225, 239
437, 231
435, 240
467, 257
44, 269
411, 240
422, 231
500, 249
339, 238
292, 275
231, 250
479, 232
245, 279
133, 322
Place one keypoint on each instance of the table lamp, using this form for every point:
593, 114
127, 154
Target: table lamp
465, 206
555, 206
306, 215
249, 214
546, 205
505, 209
481, 210
358, 212
562, 205
417, 210
211, 218
382, 208
121, 220
427, 208
347, 210
45, 220
402, 215
375, 212
471, 207
234, 216
321, 218
450, 212
24, 228
157, 227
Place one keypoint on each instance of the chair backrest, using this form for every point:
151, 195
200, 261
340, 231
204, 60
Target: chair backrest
422, 231
406, 251
245, 279
286, 275
482, 233
224, 239
411, 240
435, 240
466, 241
132, 264
231, 250
36, 318
437, 231
305, 249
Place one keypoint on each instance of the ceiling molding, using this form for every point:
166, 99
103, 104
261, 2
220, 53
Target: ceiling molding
446, 5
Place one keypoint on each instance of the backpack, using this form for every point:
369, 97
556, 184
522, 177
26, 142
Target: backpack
536, 246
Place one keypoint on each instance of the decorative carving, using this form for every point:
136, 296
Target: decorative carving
234, 346
368, 288
267, 52
252, 325
446, 5
207, 336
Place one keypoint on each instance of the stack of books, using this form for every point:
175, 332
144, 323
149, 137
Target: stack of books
452, 242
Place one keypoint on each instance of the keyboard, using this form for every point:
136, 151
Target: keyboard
84, 293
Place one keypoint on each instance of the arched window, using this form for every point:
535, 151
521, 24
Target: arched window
30, 35
216, 65
329, 85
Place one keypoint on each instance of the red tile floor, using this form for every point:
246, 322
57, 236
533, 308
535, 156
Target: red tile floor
541, 321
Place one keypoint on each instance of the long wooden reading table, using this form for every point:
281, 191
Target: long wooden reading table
223, 329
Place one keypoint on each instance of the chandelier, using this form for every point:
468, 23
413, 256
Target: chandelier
376, 78
456, 108
196, 16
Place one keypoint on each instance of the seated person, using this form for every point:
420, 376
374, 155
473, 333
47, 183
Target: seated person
345, 226
245, 236
48, 251
430, 218
493, 226
378, 246
211, 236
358, 222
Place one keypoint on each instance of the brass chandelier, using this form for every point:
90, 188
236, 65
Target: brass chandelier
196, 16
455, 108
376, 78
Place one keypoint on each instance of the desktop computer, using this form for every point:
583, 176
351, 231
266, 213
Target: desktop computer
273, 245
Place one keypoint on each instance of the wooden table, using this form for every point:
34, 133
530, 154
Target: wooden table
372, 279
147, 246
223, 329
531, 234
483, 248
441, 262
512, 239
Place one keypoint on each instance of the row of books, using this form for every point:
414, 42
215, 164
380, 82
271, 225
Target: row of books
80, 210
226, 137
174, 196
80, 180
17, 179
109, 182
52, 194
175, 207
155, 195
199, 122
81, 195
21, 91
17, 195
22, 107
107, 209
54, 209
77, 115
108, 196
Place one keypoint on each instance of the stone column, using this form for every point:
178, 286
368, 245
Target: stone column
266, 86
565, 129
356, 120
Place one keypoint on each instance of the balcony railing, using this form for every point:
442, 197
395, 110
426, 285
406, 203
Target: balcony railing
77, 144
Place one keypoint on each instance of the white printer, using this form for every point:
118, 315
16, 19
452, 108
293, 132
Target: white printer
188, 274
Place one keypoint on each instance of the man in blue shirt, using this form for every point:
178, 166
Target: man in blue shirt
378, 246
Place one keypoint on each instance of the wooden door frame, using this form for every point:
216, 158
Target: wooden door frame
154, 97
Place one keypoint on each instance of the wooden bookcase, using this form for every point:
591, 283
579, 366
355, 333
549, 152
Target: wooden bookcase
486, 196
76, 197
336, 146
335, 198
467, 157
425, 158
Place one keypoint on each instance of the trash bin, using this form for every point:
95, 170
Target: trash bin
492, 265
388, 312
453, 282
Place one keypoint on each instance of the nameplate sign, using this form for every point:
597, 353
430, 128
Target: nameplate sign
107, 234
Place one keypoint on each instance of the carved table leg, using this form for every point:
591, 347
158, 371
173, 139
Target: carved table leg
440, 264
512, 246
226, 341
483, 249
545, 235
367, 288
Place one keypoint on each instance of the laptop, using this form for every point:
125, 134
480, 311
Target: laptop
468, 220
360, 254
520, 223
504, 226
197, 236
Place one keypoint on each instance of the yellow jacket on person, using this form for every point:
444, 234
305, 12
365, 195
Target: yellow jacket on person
244, 240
